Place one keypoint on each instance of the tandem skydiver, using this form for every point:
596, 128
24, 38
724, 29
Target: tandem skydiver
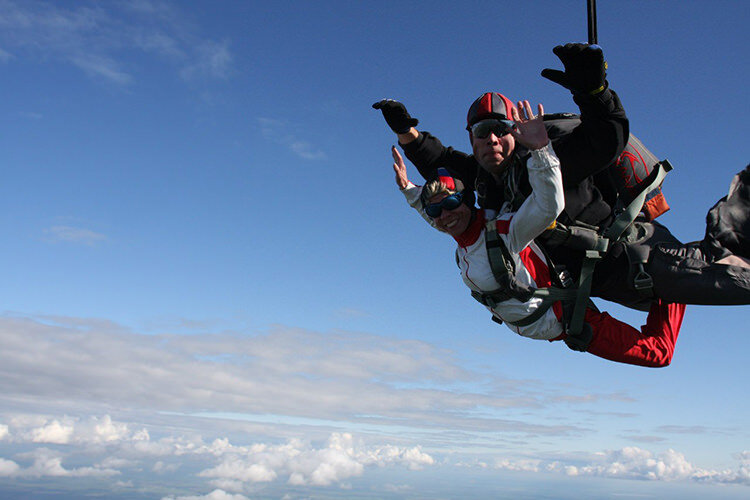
445, 204
647, 262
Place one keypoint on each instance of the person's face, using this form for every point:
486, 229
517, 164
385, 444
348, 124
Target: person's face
492, 151
453, 222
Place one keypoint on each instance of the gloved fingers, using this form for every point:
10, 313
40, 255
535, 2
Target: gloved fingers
380, 104
592, 55
565, 52
558, 50
570, 50
556, 76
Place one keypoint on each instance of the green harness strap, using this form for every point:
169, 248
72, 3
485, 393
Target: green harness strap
501, 260
626, 218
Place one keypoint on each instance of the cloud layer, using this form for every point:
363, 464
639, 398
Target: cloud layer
635, 463
334, 375
119, 453
118, 448
289, 407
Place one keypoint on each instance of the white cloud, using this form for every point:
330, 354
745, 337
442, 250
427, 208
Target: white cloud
214, 495
48, 463
237, 468
283, 133
296, 462
212, 59
8, 468
105, 430
72, 234
413, 458
301, 464
68, 430
634, 463
305, 150
526, 465
232, 467
161, 467
363, 377
345, 381
54, 432
101, 66
99, 39
228, 485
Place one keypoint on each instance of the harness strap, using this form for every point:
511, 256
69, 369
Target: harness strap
578, 236
626, 218
502, 265
548, 295
501, 261
583, 292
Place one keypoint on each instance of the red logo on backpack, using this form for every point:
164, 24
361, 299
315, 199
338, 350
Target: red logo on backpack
632, 168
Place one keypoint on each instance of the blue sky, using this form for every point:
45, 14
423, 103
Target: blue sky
212, 288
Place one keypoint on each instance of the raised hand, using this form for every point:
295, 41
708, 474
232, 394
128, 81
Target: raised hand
399, 168
585, 68
529, 130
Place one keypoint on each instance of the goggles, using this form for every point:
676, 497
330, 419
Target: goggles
482, 129
451, 202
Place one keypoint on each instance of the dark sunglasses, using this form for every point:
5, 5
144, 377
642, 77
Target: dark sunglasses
451, 202
482, 129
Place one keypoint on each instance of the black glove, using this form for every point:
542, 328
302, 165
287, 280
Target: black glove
581, 341
585, 69
396, 116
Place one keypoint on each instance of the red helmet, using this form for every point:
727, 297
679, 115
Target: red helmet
489, 105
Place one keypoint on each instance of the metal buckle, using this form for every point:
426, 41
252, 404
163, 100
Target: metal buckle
642, 280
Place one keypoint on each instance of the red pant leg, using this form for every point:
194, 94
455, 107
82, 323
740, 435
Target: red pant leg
653, 346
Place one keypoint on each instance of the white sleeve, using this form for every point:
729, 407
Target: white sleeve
544, 204
412, 193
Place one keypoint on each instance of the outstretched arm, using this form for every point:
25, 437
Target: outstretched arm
604, 130
546, 200
423, 149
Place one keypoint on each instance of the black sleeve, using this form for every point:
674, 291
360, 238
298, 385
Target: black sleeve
599, 139
428, 154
